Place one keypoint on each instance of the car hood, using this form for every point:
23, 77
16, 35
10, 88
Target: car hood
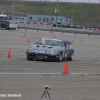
44, 47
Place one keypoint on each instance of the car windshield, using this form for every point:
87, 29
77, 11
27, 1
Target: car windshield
52, 42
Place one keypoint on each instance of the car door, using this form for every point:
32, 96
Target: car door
64, 49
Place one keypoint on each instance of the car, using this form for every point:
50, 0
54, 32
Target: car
51, 48
4, 24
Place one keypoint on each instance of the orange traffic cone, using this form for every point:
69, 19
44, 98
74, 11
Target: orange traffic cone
9, 56
80, 39
65, 68
34, 39
18, 38
28, 40
9, 51
25, 34
26, 52
72, 42
39, 39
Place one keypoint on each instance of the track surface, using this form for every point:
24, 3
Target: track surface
27, 78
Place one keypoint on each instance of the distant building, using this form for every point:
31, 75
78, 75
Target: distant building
43, 19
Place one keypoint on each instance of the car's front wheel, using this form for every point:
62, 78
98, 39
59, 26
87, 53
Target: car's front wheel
71, 57
28, 58
60, 57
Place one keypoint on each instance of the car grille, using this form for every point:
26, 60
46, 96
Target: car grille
40, 54
32, 54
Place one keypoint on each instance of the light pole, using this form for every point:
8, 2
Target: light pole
13, 10
3, 10
51, 21
56, 12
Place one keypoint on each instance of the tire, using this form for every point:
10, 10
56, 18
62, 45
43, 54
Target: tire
30, 59
60, 58
71, 57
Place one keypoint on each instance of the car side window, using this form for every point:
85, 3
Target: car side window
64, 44
67, 43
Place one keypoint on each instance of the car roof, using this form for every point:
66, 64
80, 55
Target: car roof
51, 39
65, 41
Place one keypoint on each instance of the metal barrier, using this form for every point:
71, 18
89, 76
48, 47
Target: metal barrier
50, 28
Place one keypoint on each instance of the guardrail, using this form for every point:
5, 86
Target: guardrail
49, 28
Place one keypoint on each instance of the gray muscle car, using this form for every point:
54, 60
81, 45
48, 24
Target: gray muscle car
51, 48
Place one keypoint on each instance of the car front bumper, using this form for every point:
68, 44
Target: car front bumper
35, 55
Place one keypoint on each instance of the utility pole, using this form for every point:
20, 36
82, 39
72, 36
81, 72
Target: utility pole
57, 10
3, 10
13, 10
51, 21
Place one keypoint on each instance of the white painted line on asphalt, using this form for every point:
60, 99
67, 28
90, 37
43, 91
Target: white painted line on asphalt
79, 73
30, 73
14, 58
49, 74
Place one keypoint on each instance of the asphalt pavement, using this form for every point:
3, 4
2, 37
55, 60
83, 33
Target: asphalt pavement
21, 79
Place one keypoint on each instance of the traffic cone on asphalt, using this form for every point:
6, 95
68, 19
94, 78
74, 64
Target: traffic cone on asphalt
26, 52
18, 38
34, 39
9, 56
65, 68
9, 51
28, 40
81, 39
39, 39
25, 34
72, 42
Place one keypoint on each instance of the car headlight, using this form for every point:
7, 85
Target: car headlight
31, 48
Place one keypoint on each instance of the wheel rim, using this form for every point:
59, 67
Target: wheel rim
60, 57
72, 56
